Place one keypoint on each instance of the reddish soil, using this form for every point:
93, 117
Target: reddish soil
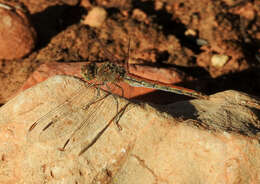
173, 33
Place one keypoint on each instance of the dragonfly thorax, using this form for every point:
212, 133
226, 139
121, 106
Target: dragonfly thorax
106, 72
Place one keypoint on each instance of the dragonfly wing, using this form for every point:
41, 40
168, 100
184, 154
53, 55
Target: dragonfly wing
73, 122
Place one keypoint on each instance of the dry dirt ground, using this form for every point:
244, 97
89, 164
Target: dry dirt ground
168, 33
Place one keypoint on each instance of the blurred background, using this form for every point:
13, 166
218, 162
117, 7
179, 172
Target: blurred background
210, 46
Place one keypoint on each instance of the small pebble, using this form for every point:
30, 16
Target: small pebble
96, 17
140, 15
190, 32
257, 56
218, 60
17, 36
201, 42
158, 5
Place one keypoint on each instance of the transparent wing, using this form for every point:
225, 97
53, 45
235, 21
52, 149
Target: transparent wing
75, 122
60, 120
52, 116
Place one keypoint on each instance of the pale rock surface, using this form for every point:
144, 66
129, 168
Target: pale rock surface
198, 141
96, 17
218, 60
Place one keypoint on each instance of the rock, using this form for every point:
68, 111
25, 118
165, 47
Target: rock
219, 60
96, 17
190, 32
17, 36
140, 15
214, 141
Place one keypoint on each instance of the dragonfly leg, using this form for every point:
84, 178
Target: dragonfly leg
117, 116
119, 87
97, 96
98, 88
117, 106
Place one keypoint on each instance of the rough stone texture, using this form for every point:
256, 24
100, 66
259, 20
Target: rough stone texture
17, 36
208, 141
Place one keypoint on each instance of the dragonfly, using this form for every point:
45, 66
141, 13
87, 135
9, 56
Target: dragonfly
112, 72
103, 73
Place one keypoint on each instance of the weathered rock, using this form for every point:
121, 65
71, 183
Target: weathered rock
210, 141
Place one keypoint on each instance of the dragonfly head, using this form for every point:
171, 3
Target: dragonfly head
89, 71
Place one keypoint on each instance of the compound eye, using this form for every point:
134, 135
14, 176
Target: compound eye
89, 71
